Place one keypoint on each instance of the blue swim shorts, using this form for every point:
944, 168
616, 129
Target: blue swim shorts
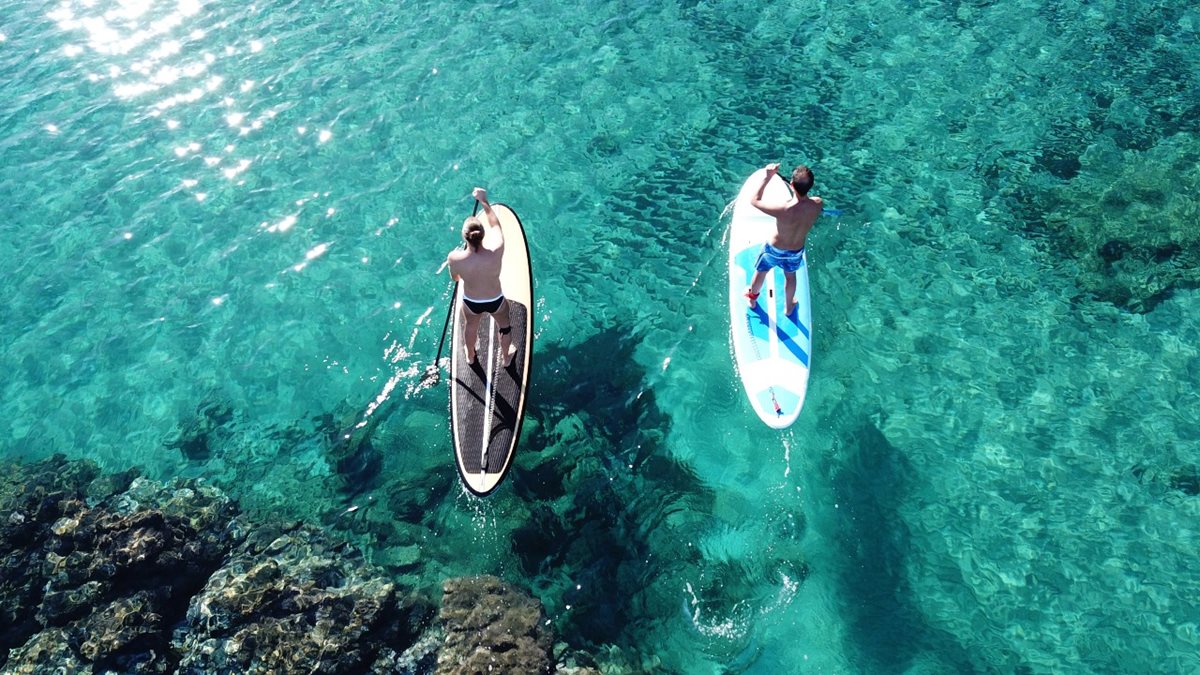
788, 261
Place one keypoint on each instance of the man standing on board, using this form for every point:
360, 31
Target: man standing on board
477, 268
793, 220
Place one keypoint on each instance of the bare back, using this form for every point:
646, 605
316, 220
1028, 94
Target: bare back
793, 221
479, 271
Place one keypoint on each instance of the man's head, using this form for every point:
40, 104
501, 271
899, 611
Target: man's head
472, 232
802, 180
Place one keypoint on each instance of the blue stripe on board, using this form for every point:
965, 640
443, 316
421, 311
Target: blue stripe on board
759, 330
786, 340
746, 260
760, 327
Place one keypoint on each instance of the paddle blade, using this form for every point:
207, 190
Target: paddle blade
433, 375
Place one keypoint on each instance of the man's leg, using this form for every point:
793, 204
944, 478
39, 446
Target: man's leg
755, 285
470, 332
789, 287
761, 266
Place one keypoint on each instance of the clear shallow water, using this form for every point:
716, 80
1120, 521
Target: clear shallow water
213, 204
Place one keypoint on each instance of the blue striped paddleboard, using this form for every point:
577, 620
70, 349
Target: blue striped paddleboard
772, 352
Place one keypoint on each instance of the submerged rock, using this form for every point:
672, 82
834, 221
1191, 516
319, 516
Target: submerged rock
164, 578
491, 627
1183, 479
296, 602
1126, 216
193, 437
350, 451
112, 577
47, 651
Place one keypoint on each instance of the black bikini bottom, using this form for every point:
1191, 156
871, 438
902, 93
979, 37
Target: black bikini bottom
484, 306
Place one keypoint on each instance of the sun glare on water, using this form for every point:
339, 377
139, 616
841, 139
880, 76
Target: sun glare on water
154, 54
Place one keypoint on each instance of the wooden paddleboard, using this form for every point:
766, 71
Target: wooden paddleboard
487, 400
772, 351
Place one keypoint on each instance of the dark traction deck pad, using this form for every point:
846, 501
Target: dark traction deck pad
470, 382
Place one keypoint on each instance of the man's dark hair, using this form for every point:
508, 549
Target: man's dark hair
802, 180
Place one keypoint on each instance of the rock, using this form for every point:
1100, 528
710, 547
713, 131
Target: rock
415, 500
165, 578
419, 659
121, 635
354, 458
1127, 218
297, 603
1113, 250
112, 577
193, 437
47, 651
540, 541
491, 627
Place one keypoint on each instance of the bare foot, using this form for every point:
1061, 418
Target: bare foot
753, 298
791, 309
512, 351
470, 355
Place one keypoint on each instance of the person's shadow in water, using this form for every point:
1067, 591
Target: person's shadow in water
889, 629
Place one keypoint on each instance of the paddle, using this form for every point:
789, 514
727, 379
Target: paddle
433, 372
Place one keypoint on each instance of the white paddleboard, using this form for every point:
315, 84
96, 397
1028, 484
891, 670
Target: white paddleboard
772, 352
487, 399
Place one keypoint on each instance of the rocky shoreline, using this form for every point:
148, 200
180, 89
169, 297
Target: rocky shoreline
118, 573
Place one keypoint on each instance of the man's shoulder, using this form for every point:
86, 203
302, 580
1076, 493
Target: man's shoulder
807, 206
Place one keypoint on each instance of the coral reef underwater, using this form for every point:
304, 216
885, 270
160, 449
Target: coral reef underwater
102, 573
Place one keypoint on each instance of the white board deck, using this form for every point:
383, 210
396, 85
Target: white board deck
772, 352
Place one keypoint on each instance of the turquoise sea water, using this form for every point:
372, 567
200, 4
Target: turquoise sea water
231, 217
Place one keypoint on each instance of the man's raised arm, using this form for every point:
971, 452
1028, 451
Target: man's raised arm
757, 202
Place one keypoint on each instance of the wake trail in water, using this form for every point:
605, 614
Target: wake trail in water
403, 362
726, 217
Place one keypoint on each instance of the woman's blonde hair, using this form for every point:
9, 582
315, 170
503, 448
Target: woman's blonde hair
472, 232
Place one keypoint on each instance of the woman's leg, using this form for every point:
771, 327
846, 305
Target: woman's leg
470, 332
504, 327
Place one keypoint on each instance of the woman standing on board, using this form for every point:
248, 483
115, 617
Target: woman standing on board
477, 268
